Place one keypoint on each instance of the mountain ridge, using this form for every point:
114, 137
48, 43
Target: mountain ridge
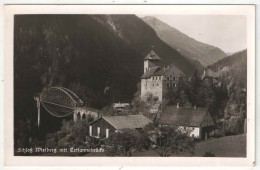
233, 68
187, 46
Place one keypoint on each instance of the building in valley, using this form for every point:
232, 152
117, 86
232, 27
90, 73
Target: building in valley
106, 125
120, 107
158, 80
196, 120
210, 77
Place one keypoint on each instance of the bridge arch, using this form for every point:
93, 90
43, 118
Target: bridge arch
58, 101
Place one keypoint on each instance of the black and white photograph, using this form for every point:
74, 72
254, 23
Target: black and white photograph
133, 84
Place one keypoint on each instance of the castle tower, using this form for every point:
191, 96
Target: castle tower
151, 60
157, 80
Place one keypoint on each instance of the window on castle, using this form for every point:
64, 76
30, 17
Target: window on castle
168, 78
174, 78
168, 85
175, 85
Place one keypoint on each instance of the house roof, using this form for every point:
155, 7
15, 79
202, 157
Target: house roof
152, 56
116, 105
183, 116
127, 122
209, 73
90, 109
149, 73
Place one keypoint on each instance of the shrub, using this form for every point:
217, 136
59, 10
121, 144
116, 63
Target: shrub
209, 154
218, 133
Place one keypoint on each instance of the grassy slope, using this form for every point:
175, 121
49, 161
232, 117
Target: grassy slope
229, 146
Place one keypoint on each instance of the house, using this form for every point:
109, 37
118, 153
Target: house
158, 80
210, 76
86, 113
198, 120
107, 125
119, 107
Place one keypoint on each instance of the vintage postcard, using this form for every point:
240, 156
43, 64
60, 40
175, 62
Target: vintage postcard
143, 85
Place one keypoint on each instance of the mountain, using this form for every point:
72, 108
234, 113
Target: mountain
228, 54
233, 68
187, 46
84, 53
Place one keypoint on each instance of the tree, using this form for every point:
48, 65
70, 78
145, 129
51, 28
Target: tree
85, 94
147, 104
181, 94
195, 86
80, 131
72, 133
124, 143
170, 140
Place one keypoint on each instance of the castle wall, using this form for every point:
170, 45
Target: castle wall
151, 86
170, 80
148, 64
160, 85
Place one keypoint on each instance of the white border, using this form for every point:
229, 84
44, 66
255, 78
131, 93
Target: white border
10, 160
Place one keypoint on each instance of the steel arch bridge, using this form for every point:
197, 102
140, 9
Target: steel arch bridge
58, 101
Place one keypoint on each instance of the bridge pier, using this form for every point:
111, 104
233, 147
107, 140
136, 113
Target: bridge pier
38, 110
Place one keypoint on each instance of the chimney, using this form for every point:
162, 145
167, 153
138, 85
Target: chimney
195, 107
178, 105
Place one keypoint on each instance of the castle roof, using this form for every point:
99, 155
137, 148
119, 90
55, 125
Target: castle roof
155, 71
150, 72
162, 71
183, 116
152, 56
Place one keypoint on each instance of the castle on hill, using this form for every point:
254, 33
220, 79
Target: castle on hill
158, 80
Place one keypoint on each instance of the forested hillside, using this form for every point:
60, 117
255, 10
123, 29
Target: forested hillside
233, 73
233, 67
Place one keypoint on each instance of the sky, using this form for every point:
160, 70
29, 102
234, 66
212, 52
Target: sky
227, 32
